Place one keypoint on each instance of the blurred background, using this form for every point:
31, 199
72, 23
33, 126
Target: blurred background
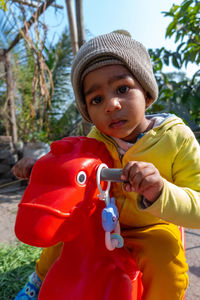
38, 40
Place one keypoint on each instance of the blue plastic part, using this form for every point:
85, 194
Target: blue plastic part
110, 216
119, 238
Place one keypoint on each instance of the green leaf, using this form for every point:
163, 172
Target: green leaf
170, 29
186, 4
175, 61
166, 59
180, 46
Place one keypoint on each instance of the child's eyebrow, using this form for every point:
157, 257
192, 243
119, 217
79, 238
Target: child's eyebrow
118, 77
92, 89
113, 79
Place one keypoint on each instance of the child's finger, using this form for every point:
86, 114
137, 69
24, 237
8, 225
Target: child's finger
23, 167
129, 172
137, 178
126, 170
26, 173
127, 187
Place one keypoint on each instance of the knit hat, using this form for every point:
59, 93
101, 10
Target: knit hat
108, 49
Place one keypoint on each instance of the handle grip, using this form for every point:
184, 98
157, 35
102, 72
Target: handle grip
109, 174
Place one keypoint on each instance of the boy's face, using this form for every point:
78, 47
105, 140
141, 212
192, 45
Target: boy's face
115, 102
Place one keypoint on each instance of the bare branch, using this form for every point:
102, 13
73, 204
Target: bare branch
55, 5
32, 20
2, 54
25, 3
35, 5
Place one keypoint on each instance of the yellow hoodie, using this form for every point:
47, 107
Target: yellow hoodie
173, 149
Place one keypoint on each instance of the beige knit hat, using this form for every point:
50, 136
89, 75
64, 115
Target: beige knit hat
108, 49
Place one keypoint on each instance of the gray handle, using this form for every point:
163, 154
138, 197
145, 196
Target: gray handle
111, 175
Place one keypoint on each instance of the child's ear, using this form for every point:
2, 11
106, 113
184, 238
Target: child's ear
148, 99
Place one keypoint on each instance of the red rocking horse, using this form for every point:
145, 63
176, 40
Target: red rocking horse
62, 203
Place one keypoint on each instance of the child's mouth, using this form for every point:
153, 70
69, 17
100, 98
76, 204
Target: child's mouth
117, 124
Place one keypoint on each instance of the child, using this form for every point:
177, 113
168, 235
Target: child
114, 84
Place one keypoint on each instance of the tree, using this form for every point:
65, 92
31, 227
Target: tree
63, 114
30, 108
7, 108
37, 67
185, 27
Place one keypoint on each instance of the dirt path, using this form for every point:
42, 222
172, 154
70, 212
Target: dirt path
10, 197
193, 258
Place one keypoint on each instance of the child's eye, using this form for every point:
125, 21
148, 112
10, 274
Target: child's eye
123, 89
97, 100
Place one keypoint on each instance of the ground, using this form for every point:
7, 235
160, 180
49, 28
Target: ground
10, 197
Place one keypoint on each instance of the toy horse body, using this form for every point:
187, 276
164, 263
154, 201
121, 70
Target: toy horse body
61, 203
87, 270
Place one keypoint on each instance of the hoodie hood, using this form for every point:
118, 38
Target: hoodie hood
164, 120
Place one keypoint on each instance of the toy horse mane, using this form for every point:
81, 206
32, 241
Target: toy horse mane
81, 146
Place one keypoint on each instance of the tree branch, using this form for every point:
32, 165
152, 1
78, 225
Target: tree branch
35, 5
33, 18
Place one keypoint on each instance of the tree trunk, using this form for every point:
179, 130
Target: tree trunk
81, 40
80, 23
10, 98
72, 26
77, 38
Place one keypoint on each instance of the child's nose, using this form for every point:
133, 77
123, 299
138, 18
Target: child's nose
113, 104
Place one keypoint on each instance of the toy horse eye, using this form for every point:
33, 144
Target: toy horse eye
81, 177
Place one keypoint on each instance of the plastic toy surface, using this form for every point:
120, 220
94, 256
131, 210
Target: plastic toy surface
61, 203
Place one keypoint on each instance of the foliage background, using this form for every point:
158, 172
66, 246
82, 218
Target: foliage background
178, 93
41, 119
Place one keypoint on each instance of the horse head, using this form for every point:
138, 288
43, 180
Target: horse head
62, 191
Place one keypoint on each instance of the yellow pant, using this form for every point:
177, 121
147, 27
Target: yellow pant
158, 253
46, 260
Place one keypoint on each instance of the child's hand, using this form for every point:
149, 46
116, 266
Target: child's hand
143, 178
22, 168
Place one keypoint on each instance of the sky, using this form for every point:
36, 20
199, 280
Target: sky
142, 18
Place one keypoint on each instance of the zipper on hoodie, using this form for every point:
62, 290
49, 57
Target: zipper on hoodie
112, 141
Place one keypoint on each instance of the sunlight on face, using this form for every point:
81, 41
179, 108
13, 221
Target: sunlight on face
115, 101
